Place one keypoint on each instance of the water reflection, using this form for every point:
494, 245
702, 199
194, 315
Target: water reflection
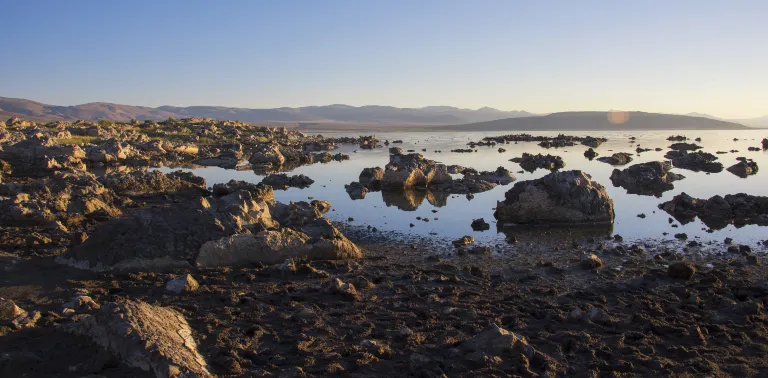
385, 211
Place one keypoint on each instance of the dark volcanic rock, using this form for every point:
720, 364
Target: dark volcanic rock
530, 162
160, 238
695, 161
744, 168
619, 158
682, 269
282, 181
651, 178
356, 190
685, 147
480, 225
557, 198
154, 183
718, 212
590, 154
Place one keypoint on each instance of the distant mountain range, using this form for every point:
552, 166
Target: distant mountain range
759, 122
358, 118
600, 121
430, 115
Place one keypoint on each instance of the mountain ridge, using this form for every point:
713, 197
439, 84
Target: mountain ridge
335, 113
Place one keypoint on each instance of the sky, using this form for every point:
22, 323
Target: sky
671, 56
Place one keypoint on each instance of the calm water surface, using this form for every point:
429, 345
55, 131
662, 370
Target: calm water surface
455, 213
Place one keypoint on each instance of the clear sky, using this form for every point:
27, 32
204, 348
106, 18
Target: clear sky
674, 56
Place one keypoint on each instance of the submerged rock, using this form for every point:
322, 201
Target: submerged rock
356, 190
557, 198
685, 147
152, 338
652, 178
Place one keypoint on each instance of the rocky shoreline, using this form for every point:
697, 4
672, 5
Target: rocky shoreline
134, 273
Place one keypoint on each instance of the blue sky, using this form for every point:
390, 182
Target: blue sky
674, 56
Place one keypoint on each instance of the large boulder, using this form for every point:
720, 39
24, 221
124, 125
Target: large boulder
152, 338
267, 154
154, 183
558, 198
652, 178
407, 171
39, 156
162, 238
317, 240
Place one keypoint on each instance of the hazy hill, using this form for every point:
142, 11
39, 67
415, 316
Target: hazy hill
760, 122
431, 115
598, 121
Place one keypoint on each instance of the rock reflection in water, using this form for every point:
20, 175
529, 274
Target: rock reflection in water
411, 199
545, 234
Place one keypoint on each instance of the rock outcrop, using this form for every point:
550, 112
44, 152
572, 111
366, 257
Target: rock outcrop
411, 170
717, 212
558, 198
744, 168
152, 338
530, 162
695, 161
652, 178
619, 158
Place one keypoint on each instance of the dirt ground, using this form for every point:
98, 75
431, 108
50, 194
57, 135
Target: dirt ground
417, 305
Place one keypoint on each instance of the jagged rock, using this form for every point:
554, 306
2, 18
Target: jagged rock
466, 240
681, 269
695, 161
346, 289
744, 168
154, 183
500, 176
559, 197
356, 190
259, 191
152, 338
396, 150
407, 171
267, 154
317, 240
530, 162
296, 214
590, 154
717, 211
282, 181
480, 225
183, 283
619, 158
652, 178
160, 238
494, 341
371, 175
81, 303
9, 310
591, 261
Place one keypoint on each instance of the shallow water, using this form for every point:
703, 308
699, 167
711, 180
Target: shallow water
455, 213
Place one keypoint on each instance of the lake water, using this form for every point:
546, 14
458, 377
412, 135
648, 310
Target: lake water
396, 212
